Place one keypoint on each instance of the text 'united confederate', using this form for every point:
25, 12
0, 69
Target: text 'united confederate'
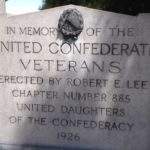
95, 49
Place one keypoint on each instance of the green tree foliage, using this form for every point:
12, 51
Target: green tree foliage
132, 7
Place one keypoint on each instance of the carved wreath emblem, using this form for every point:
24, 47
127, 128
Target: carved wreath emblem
70, 24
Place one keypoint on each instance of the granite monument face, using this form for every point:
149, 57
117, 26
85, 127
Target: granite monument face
75, 78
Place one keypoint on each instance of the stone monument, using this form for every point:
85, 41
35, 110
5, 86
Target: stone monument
74, 78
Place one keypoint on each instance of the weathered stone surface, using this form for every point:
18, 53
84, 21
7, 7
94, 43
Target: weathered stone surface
2, 6
89, 94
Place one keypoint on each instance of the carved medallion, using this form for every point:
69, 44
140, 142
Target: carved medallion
70, 24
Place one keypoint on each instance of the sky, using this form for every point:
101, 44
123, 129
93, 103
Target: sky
22, 6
